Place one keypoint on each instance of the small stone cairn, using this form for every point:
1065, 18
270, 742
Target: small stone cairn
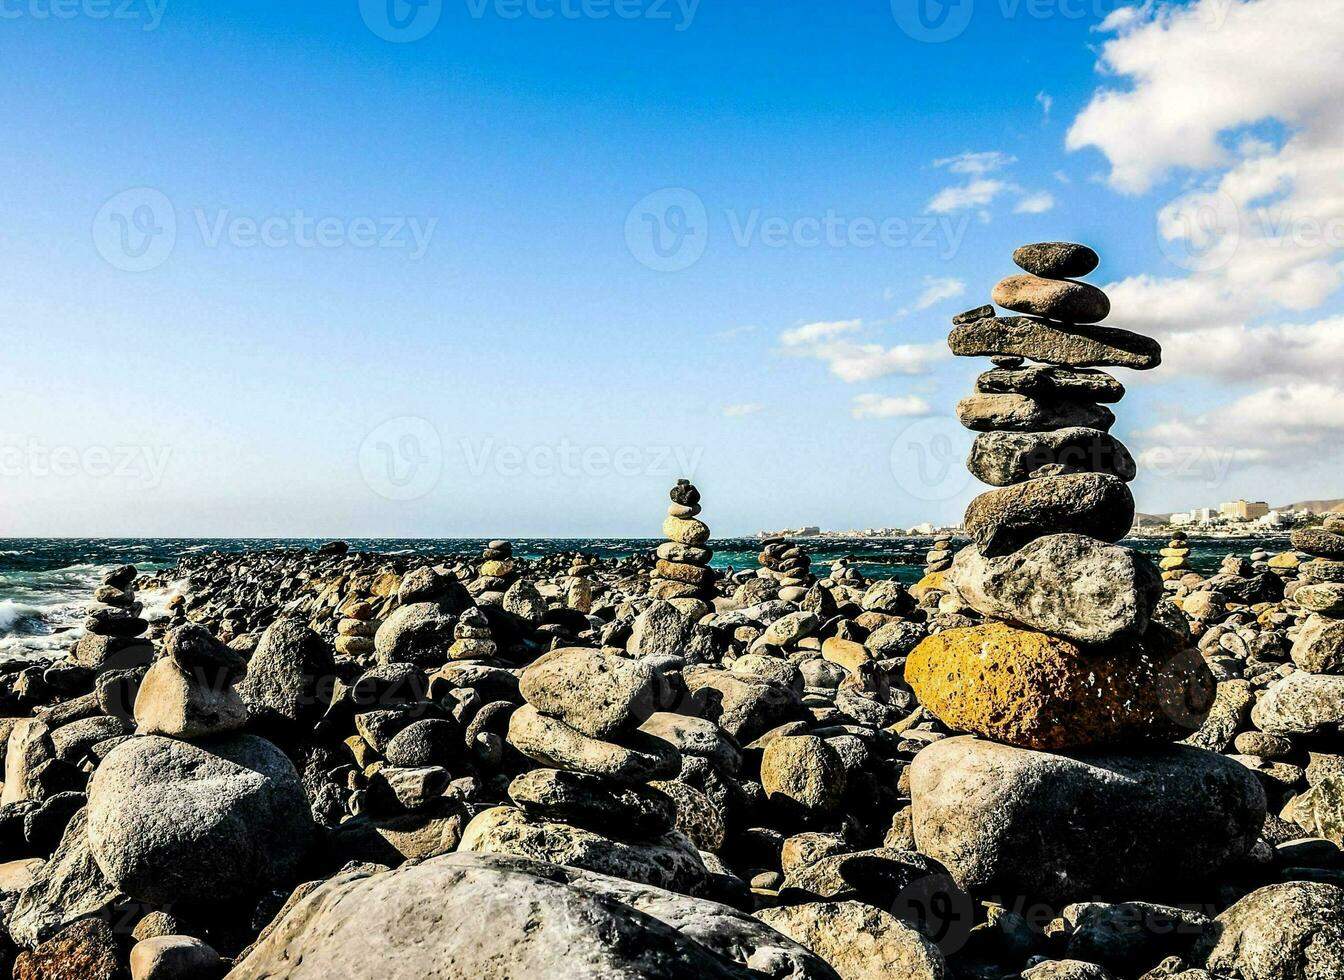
789, 566
591, 805
497, 571
1319, 594
1078, 649
683, 571
1175, 563
939, 557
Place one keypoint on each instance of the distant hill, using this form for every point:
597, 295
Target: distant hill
1316, 506
1141, 519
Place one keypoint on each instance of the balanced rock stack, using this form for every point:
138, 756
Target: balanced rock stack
1079, 649
939, 557
579, 586
1175, 563
114, 628
356, 629
788, 565
683, 571
591, 808
1319, 647
497, 571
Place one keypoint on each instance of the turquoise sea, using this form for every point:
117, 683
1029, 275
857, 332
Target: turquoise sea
46, 582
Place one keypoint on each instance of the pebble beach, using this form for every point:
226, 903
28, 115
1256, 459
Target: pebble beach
1033, 749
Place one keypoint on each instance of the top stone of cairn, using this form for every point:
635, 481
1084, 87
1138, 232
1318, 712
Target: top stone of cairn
1056, 260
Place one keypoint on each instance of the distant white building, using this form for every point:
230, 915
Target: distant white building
920, 529
1182, 519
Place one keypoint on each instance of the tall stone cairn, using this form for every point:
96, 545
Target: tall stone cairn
1079, 649
683, 571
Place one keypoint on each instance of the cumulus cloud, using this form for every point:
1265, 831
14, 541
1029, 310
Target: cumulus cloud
888, 407
810, 333
979, 190
852, 361
1038, 203
1236, 102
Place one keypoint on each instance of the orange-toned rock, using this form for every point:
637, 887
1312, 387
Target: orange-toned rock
1037, 691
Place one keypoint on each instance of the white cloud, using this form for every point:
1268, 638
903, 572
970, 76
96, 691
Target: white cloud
888, 407
936, 290
976, 163
979, 190
852, 361
1239, 100
973, 194
1047, 102
810, 333
1037, 203
737, 411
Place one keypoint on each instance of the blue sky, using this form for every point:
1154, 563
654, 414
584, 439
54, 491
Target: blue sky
279, 269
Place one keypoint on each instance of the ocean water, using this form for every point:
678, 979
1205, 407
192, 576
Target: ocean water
46, 583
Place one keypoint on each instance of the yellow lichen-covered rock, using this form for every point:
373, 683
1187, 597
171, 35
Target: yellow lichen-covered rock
1037, 691
933, 580
1287, 559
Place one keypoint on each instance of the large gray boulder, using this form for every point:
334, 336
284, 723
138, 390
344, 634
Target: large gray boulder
67, 887
668, 860
1069, 585
1319, 647
593, 692
746, 706
177, 822
1004, 458
289, 678
420, 633
479, 917
1290, 931
1301, 704
1016, 822
861, 942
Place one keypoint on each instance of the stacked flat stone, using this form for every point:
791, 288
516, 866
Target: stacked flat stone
591, 807
579, 585
1319, 594
497, 571
939, 557
683, 571
1175, 563
789, 566
1078, 650
114, 629
355, 629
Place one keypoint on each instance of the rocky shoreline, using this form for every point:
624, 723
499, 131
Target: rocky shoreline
1051, 759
